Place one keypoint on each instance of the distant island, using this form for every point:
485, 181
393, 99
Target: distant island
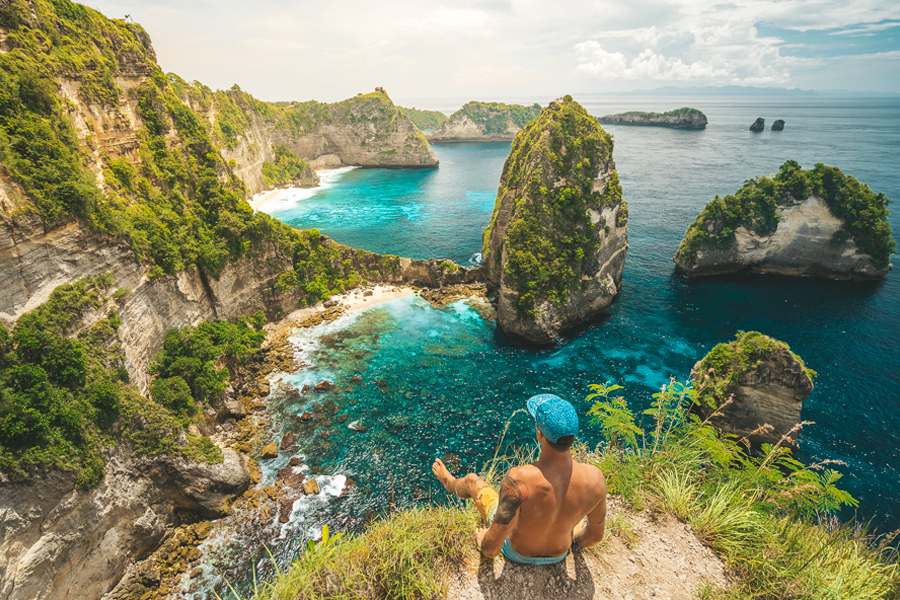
485, 122
681, 118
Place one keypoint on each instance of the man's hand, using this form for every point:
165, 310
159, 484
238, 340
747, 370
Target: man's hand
479, 536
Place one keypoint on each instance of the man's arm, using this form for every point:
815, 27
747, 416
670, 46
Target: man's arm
592, 532
513, 492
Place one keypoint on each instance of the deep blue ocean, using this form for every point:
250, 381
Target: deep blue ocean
438, 382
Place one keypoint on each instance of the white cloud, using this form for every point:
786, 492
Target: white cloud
331, 50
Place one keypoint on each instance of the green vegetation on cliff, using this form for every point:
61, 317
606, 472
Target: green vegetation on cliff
755, 205
551, 238
64, 393
186, 369
180, 204
769, 518
423, 119
492, 116
718, 374
286, 167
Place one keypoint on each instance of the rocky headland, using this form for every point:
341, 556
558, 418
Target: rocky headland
682, 118
555, 247
484, 122
133, 223
817, 222
754, 388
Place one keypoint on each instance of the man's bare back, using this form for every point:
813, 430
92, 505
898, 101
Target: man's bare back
541, 506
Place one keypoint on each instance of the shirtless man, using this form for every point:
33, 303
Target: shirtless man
541, 506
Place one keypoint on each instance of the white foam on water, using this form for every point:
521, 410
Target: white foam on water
278, 200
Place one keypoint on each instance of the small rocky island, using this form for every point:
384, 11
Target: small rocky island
765, 382
682, 118
819, 222
555, 247
484, 122
758, 125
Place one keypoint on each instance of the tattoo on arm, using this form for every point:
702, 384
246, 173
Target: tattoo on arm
512, 494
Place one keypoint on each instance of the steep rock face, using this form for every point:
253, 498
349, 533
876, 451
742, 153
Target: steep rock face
484, 122
683, 118
367, 130
766, 382
788, 225
800, 246
66, 543
555, 248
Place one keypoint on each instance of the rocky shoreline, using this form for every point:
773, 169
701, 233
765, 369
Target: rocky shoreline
244, 426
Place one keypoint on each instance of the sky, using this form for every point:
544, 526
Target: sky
507, 49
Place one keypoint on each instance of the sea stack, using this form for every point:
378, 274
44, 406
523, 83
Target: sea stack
818, 222
758, 125
766, 383
778, 125
555, 247
681, 118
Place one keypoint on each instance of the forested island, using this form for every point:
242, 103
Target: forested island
681, 118
484, 122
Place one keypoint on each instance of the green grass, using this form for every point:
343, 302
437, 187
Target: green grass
406, 556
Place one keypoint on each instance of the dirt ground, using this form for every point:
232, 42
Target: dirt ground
660, 559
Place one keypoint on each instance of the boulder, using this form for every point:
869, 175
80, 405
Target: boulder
287, 441
357, 427
778, 125
555, 246
310, 487
758, 125
270, 451
324, 386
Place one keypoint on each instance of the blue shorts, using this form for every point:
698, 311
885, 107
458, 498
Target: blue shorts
510, 553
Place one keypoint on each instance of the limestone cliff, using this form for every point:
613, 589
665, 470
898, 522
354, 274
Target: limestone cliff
367, 130
484, 122
67, 543
765, 382
555, 247
817, 222
682, 118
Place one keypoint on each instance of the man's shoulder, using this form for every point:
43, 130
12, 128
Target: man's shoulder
591, 475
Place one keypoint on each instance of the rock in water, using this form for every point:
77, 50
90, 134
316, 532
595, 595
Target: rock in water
778, 125
758, 125
818, 222
682, 118
766, 381
555, 247
270, 451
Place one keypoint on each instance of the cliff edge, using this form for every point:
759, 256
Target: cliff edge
555, 247
682, 118
818, 222
484, 122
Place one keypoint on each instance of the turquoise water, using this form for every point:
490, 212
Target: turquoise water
446, 381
